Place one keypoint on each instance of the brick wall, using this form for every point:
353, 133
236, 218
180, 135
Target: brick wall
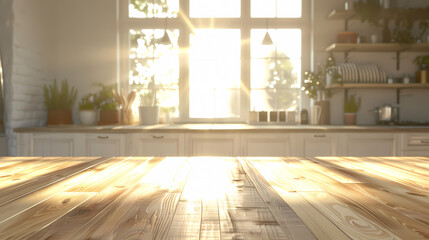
30, 48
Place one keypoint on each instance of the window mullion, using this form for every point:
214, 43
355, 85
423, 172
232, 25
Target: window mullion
184, 32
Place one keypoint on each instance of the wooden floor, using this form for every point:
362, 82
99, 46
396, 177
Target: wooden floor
214, 198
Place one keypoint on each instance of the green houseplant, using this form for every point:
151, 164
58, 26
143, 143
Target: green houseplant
59, 102
88, 109
351, 106
109, 109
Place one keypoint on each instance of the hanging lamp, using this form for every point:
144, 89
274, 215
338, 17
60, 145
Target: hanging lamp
165, 40
267, 39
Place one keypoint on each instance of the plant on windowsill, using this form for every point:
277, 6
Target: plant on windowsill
109, 110
59, 102
351, 106
88, 109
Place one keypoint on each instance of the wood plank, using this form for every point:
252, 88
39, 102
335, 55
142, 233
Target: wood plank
374, 181
23, 203
14, 192
372, 209
387, 174
37, 217
146, 210
281, 211
73, 222
353, 223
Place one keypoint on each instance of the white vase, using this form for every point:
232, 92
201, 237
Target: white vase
88, 117
149, 115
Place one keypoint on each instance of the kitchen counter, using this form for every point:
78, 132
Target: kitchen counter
231, 128
214, 197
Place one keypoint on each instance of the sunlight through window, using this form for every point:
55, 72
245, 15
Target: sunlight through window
275, 70
215, 8
276, 8
155, 67
214, 80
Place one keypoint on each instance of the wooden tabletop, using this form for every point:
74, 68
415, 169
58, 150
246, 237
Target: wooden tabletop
214, 198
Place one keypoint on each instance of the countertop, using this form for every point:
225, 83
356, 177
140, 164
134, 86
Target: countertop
214, 198
231, 128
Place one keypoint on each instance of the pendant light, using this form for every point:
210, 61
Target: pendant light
267, 39
165, 40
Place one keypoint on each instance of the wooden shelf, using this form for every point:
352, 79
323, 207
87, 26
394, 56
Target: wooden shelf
384, 13
378, 86
342, 15
377, 47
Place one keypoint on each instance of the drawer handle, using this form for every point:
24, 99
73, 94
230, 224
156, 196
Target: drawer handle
157, 137
320, 135
103, 137
424, 141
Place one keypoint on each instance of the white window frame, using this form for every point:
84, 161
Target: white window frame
245, 23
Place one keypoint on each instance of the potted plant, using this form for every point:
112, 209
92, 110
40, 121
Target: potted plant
351, 106
148, 110
109, 111
88, 110
422, 63
59, 102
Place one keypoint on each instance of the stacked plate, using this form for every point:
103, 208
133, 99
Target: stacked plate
361, 73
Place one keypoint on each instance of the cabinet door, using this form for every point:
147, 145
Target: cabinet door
415, 144
270, 145
370, 145
53, 145
317, 144
213, 144
157, 144
104, 145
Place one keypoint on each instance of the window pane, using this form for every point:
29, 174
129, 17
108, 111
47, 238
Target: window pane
215, 8
272, 99
153, 8
155, 66
275, 69
214, 103
215, 73
276, 8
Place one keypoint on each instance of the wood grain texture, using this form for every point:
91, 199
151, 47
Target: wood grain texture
214, 198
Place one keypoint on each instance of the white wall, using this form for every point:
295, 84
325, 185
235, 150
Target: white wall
86, 44
411, 107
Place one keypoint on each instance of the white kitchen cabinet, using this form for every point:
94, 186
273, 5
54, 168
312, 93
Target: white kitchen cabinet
102, 145
157, 144
52, 144
213, 144
415, 144
317, 144
370, 144
270, 145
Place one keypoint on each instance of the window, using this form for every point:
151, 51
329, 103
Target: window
214, 79
155, 67
275, 70
216, 68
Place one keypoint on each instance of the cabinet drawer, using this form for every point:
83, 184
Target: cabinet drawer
157, 144
418, 141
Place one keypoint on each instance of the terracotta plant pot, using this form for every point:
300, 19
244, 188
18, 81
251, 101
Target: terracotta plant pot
349, 118
59, 116
109, 117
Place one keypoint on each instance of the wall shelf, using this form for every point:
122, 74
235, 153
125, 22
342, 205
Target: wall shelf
378, 47
396, 86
